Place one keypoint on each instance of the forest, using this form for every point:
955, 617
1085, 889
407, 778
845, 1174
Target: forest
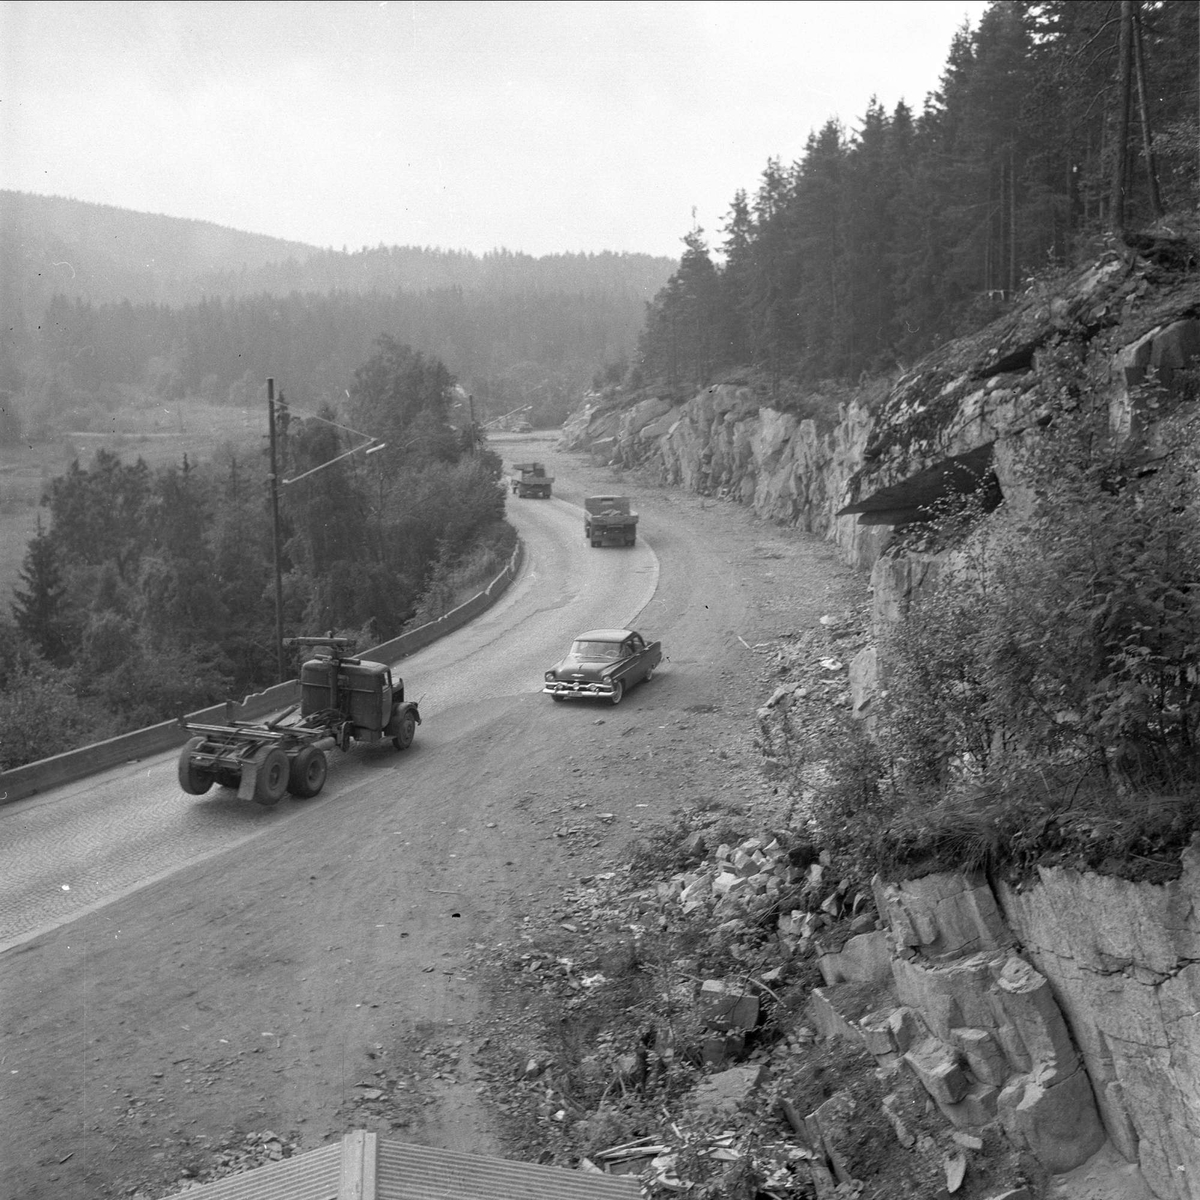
1055, 126
539, 348
166, 309
150, 593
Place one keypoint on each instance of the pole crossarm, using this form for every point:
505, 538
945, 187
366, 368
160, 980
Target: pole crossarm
370, 442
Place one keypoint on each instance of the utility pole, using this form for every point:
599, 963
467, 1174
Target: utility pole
273, 478
1120, 166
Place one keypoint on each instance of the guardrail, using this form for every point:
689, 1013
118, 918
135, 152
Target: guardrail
36, 777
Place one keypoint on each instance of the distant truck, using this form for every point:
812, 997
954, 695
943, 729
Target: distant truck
609, 521
531, 481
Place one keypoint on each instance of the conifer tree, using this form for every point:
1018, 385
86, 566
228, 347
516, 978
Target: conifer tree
40, 607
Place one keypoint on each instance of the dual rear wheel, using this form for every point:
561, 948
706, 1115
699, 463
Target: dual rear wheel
306, 776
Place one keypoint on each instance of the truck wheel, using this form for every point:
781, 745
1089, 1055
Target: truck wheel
618, 692
272, 779
306, 773
408, 730
194, 780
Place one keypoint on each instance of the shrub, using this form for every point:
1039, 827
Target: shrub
1064, 631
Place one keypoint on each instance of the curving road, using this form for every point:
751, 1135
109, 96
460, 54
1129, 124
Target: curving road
247, 968
71, 850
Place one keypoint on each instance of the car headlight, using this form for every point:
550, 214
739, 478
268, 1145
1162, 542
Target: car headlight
550, 676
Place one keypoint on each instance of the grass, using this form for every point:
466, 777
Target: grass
1043, 821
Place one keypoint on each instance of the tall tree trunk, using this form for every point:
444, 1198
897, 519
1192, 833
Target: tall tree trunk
1139, 58
1116, 207
1012, 222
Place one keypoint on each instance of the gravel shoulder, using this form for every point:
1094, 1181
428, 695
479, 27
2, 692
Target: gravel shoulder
334, 974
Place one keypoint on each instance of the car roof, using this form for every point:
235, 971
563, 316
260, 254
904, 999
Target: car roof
604, 635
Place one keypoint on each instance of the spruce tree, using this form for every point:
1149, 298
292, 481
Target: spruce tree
39, 608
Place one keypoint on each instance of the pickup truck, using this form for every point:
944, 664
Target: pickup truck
609, 521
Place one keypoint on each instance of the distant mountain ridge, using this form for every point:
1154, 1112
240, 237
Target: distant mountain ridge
96, 252
101, 254
103, 304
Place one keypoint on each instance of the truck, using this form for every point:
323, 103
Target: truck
609, 521
343, 700
530, 480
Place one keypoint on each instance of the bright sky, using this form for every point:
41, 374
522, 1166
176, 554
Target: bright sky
540, 127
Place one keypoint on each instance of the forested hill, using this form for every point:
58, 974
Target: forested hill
108, 307
95, 252
414, 268
101, 253
49, 245
1054, 126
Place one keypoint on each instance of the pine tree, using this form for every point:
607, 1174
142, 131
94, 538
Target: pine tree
40, 608
735, 282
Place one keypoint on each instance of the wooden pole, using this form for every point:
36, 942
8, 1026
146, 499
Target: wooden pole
274, 482
1116, 208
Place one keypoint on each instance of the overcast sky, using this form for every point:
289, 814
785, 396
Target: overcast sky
540, 127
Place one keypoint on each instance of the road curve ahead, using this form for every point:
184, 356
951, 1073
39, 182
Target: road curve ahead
78, 847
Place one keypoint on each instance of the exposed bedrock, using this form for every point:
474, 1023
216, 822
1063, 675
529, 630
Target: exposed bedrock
1065, 1011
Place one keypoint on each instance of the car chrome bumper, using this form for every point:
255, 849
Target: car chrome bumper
585, 687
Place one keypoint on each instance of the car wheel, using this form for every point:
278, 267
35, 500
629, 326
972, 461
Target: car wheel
308, 771
618, 692
649, 675
408, 730
272, 779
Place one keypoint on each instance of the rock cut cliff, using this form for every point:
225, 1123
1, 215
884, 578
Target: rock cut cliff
1098, 972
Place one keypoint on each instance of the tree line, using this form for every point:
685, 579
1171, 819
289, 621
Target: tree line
148, 593
539, 348
1054, 125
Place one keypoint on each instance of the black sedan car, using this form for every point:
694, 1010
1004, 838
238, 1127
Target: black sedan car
603, 663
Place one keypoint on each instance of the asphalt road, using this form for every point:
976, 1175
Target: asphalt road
77, 848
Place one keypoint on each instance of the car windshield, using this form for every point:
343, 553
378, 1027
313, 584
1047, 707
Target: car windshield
583, 651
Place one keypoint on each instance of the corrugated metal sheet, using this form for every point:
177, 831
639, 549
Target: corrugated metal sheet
364, 1167
311, 1176
423, 1173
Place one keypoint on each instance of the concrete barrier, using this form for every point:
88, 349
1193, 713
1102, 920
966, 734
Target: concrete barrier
48, 773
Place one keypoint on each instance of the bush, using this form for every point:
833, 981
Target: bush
40, 716
1053, 659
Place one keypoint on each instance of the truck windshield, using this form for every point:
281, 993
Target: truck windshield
595, 651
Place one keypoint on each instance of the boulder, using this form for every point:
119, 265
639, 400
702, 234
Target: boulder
866, 958
943, 915
725, 1093
938, 1068
1054, 1117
